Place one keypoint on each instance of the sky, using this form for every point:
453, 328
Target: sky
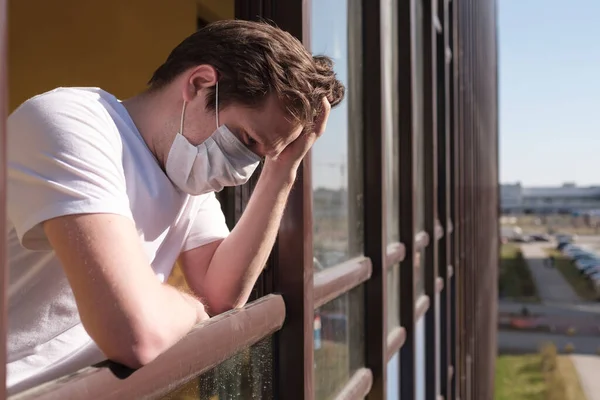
549, 76
329, 37
549, 100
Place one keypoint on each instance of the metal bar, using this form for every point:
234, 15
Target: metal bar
421, 241
374, 221
226, 334
444, 58
451, 175
293, 277
439, 284
439, 229
421, 306
358, 386
335, 281
430, 133
395, 254
3, 265
406, 143
395, 340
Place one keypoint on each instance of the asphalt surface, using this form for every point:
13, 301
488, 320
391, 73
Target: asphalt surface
561, 301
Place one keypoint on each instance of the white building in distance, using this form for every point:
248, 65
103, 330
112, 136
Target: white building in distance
565, 199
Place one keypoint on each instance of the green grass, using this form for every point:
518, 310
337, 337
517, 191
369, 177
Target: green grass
520, 377
514, 279
580, 284
543, 376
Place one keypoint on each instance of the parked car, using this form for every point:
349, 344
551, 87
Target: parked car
540, 237
561, 237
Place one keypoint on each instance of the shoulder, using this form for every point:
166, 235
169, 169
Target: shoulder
62, 117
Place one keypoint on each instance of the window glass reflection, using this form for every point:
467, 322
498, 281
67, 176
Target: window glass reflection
418, 115
389, 82
246, 375
420, 272
339, 342
420, 358
393, 297
393, 377
337, 155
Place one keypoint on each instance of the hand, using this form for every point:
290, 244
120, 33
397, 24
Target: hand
293, 154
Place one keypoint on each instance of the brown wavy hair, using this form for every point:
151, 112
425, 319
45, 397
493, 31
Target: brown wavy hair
253, 60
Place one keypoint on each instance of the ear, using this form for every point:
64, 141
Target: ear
198, 78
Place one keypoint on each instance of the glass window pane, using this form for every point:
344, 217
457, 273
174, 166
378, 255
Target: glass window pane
339, 342
420, 272
393, 297
246, 375
418, 115
420, 357
393, 377
389, 82
337, 155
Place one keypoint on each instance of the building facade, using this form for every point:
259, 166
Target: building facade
565, 199
382, 282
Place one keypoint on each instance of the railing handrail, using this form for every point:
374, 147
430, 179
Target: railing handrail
224, 335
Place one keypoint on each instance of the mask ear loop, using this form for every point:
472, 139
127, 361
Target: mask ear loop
217, 103
182, 114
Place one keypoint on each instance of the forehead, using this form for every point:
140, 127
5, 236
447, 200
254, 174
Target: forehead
272, 123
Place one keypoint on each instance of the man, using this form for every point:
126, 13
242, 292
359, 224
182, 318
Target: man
105, 196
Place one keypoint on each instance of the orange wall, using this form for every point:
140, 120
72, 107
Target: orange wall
214, 10
113, 44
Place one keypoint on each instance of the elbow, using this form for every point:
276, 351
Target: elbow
135, 351
135, 356
220, 304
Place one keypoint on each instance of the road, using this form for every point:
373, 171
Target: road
509, 341
560, 300
551, 286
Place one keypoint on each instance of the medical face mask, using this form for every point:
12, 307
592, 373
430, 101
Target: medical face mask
221, 160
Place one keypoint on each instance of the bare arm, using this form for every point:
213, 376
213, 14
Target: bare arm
232, 266
223, 273
123, 306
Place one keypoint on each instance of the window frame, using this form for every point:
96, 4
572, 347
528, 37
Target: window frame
3, 260
456, 95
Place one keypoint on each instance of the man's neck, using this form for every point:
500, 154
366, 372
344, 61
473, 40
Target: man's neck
153, 117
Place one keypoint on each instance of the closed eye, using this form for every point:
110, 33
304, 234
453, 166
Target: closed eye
250, 142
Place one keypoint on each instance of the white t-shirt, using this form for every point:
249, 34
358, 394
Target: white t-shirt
73, 151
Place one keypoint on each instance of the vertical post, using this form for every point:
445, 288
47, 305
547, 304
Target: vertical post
3, 266
444, 56
374, 199
407, 186
460, 267
454, 200
430, 192
293, 274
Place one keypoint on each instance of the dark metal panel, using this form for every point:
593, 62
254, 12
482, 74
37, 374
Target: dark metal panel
407, 186
475, 64
3, 266
444, 182
293, 254
453, 200
430, 192
375, 230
